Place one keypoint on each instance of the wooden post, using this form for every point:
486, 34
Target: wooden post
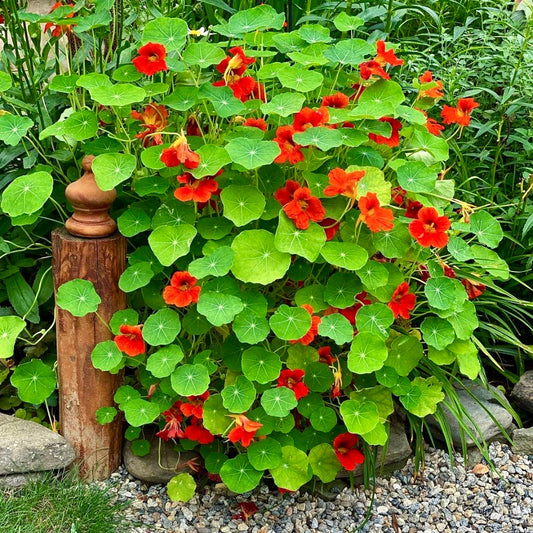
91, 249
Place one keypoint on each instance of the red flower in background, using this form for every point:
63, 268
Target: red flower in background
402, 301
248, 509
236, 64
394, 139
285, 194
1, 19
431, 124
244, 430
331, 226
196, 190
313, 330
413, 207
343, 183
195, 405
179, 153
172, 429
242, 87
292, 379
375, 217
256, 123
310, 118
473, 288
433, 92
57, 29
182, 290
398, 196
348, 456
304, 207
151, 59
154, 120
460, 114
337, 101
372, 68
290, 151
429, 229
198, 433
386, 57
325, 356
130, 341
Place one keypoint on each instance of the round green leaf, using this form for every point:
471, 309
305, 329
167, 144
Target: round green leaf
341, 290
163, 362
336, 327
416, 176
405, 352
300, 79
312, 295
5, 82
181, 488
265, 454
122, 317
182, 98
139, 412
126, 73
34, 381
214, 228
487, 228
214, 461
359, 417
105, 415
190, 380
252, 153
394, 243
10, 328
324, 462
170, 32
345, 255
133, 221
423, 396
78, 297
125, 394
318, 377
135, 277
215, 415
349, 51
380, 99
306, 243
373, 275
239, 475
13, 128
162, 327
437, 332
81, 125
290, 323
112, 169
323, 419
440, 292
310, 403
283, 104
216, 264
367, 353
250, 328
106, 356
219, 308
240, 396
323, 138
225, 104
27, 194
278, 402
256, 258
212, 159
260, 365
121, 94
375, 319
293, 471
203, 54
242, 203
171, 242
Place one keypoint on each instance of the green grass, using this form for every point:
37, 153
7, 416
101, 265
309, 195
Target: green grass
60, 505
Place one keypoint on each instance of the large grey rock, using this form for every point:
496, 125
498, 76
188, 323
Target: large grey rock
522, 392
29, 447
159, 466
15, 481
523, 441
484, 408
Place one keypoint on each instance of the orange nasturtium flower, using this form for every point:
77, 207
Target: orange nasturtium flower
290, 151
394, 139
151, 59
182, 290
154, 120
244, 430
375, 217
433, 92
460, 114
304, 207
402, 301
429, 229
343, 183
197, 190
58, 29
130, 341
179, 153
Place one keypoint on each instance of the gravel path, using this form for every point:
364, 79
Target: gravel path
446, 500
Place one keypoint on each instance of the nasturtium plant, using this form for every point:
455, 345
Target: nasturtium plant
300, 262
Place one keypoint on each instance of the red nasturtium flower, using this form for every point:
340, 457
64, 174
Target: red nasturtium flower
433, 92
256, 123
58, 29
372, 68
130, 341
460, 114
151, 59
304, 207
337, 101
198, 433
292, 379
236, 64
243, 87
473, 288
290, 151
248, 509
244, 430
331, 227
386, 57
324, 353
195, 405
179, 153
375, 217
347, 454
402, 301
285, 194
172, 429
313, 330
343, 183
413, 207
182, 290
154, 120
197, 190
310, 118
394, 139
429, 229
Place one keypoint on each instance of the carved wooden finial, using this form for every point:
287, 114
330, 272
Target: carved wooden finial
91, 205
